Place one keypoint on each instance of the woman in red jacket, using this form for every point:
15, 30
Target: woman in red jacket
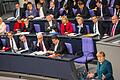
66, 26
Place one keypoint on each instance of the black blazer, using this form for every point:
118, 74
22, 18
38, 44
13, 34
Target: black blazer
117, 30
84, 13
61, 48
83, 30
47, 43
1, 44
29, 43
16, 41
101, 27
54, 26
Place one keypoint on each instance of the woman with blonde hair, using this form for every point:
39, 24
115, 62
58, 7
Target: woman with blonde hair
66, 26
2, 26
104, 68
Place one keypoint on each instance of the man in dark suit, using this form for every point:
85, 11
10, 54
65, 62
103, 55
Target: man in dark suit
58, 46
53, 9
12, 42
98, 27
42, 44
115, 26
83, 10
25, 44
51, 24
19, 12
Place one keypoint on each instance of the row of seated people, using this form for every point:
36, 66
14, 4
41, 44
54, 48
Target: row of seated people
66, 27
15, 44
67, 7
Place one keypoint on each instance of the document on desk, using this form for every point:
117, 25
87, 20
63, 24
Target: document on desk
38, 53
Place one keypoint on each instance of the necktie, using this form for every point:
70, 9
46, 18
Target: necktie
94, 28
12, 46
41, 46
113, 30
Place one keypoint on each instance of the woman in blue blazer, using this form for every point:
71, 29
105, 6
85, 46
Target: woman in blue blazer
104, 68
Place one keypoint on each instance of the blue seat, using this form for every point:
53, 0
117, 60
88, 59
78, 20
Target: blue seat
88, 51
74, 11
69, 48
4, 42
92, 13
7, 28
74, 29
37, 28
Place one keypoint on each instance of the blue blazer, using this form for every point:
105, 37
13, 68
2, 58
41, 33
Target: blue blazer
105, 69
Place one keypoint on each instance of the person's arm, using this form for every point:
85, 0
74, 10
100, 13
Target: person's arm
3, 28
70, 27
109, 70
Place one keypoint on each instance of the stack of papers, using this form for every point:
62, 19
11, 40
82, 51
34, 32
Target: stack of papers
38, 53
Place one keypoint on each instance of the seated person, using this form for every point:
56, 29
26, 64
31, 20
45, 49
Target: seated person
42, 44
58, 47
81, 27
2, 26
30, 12
104, 68
28, 26
19, 26
1, 44
12, 43
66, 26
25, 44
51, 24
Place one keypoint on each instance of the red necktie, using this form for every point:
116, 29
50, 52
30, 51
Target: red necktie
113, 30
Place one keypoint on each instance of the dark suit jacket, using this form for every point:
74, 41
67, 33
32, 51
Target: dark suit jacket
117, 30
101, 27
22, 13
54, 26
54, 12
47, 43
83, 30
61, 48
1, 44
29, 43
105, 11
16, 41
84, 13
105, 69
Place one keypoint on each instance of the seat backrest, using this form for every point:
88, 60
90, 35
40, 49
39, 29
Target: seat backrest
74, 11
37, 28
87, 45
73, 25
91, 13
7, 28
69, 48
4, 42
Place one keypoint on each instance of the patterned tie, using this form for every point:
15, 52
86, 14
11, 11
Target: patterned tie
41, 46
113, 30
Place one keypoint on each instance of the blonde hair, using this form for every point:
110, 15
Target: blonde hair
100, 53
64, 17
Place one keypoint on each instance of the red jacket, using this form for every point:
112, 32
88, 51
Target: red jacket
19, 26
69, 28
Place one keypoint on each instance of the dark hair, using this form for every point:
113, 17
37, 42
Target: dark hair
55, 37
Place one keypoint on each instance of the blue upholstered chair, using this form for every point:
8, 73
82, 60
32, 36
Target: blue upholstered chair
37, 28
69, 47
4, 42
74, 27
91, 13
88, 51
7, 28
74, 11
